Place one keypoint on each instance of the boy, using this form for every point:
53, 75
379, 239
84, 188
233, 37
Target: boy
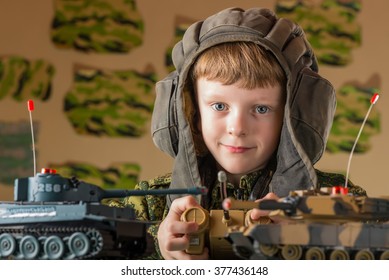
246, 99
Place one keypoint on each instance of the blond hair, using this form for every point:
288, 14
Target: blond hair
245, 63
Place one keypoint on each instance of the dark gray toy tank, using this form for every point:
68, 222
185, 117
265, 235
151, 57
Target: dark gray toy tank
54, 217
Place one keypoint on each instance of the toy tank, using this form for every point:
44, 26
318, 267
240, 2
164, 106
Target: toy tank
54, 217
329, 224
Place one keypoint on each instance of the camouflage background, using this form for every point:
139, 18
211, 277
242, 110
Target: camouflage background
16, 159
353, 102
331, 26
110, 103
93, 73
23, 79
97, 26
117, 175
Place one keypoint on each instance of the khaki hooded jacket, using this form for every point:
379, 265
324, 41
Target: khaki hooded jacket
308, 113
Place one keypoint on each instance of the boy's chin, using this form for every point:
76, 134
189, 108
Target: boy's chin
240, 171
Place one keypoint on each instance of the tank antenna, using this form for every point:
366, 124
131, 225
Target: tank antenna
373, 101
222, 178
30, 106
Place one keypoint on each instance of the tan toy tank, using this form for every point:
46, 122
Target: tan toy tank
215, 225
329, 224
213, 229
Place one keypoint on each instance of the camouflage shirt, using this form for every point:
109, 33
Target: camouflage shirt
155, 208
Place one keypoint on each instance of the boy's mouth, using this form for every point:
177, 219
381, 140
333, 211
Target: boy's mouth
236, 149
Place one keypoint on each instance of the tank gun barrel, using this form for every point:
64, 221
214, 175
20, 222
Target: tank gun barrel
124, 193
275, 205
288, 204
45, 187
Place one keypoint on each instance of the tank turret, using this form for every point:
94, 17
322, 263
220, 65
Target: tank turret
48, 186
53, 217
329, 224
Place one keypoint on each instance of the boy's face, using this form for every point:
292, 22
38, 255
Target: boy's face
240, 127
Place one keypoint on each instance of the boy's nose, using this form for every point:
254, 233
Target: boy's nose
236, 125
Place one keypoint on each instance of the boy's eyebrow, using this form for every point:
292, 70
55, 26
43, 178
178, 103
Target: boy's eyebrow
258, 101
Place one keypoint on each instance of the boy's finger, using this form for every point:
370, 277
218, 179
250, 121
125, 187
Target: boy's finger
179, 205
177, 243
178, 227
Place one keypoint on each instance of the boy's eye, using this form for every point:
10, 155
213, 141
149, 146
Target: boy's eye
261, 109
219, 106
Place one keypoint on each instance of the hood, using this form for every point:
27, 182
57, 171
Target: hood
309, 108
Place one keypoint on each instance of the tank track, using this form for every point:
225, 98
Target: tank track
299, 252
53, 242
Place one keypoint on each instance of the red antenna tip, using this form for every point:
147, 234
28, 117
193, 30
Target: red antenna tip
374, 99
30, 105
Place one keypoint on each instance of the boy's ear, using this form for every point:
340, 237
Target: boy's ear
164, 123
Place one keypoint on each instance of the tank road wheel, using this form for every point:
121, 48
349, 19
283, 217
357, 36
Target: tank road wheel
339, 254
385, 255
291, 252
315, 253
54, 247
79, 244
364, 255
7, 245
96, 240
29, 247
268, 249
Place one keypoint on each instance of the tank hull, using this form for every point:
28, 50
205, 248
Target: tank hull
348, 240
70, 231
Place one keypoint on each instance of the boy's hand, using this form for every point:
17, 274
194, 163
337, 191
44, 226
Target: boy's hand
255, 214
172, 233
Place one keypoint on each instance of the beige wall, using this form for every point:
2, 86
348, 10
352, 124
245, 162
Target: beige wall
24, 30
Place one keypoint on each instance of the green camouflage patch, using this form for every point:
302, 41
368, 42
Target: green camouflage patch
112, 103
101, 26
326, 179
16, 159
116, 176
181, 25
330, 26
24, 79
353, 103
